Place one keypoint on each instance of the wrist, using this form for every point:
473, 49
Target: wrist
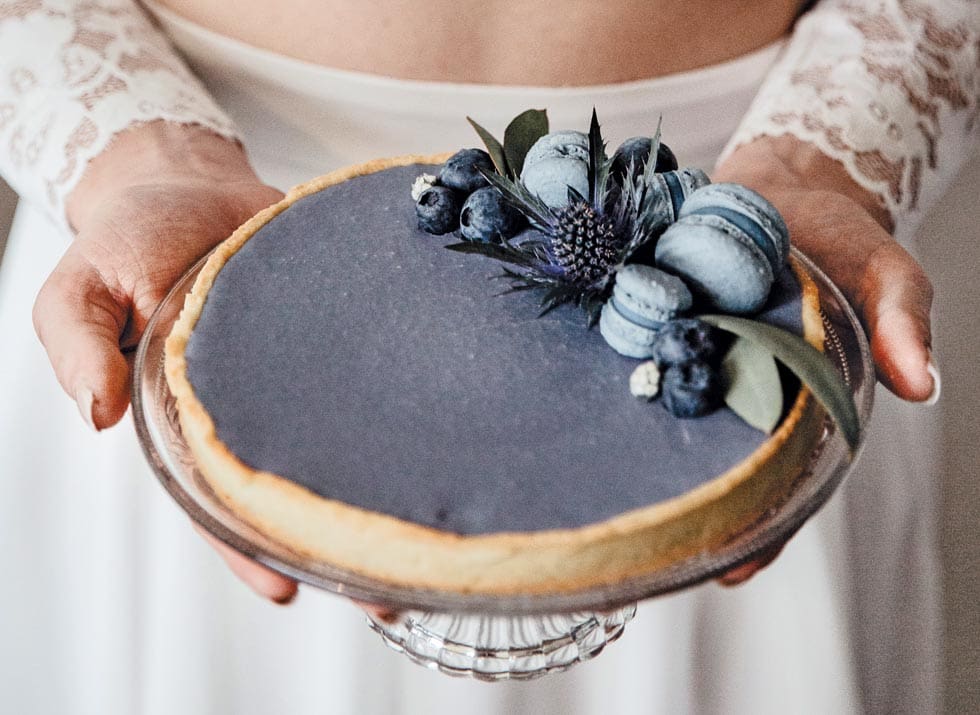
789, 163
157, 152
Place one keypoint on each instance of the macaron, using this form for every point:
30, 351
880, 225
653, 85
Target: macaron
679, 185
668, 192
750, 211
556, 161
718, 261
564, 143
643, 299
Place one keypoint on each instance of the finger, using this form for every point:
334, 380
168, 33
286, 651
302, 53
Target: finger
742, 573
378, 613
889, 290
261, 579
78, 320
895, 300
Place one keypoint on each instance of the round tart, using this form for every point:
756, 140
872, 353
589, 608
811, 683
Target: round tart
352, 389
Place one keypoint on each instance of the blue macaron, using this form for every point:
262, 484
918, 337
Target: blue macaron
668, 192
748, 210
728, 245
554, 163
679, 186
643, 299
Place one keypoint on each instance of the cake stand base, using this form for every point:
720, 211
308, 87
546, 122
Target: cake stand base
496, 648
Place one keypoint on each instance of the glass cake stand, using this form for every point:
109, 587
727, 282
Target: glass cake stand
485, 636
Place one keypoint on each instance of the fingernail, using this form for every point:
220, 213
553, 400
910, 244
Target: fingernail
937, 382
287, 599
388, 616
85, 400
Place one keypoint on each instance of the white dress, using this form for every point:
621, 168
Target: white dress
113, 605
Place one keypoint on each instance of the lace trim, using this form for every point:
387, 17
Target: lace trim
890, 89
72, 76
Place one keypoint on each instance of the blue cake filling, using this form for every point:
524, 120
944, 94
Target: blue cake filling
348, 352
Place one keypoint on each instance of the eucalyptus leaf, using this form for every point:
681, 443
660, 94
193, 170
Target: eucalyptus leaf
494, 148
520, 135
755, 392
809, 364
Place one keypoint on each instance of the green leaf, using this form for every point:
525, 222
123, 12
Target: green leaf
755, 392
494, 148
520, 135
809, 364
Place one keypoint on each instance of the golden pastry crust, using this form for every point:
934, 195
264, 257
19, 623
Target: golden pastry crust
399, 552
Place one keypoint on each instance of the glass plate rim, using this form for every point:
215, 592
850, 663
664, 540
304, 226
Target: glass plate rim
826, 470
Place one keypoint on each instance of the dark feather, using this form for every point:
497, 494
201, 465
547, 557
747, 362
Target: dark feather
498, 251
559, 295
598, 165
514, 193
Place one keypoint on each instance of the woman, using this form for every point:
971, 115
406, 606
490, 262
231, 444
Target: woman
316, 87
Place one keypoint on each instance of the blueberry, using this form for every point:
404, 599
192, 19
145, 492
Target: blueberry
438, 210
692, 389
684, 340
487, 217
666, 161
637, 150
460, 171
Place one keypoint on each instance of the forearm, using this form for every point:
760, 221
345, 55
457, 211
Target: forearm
77, 75
883, 95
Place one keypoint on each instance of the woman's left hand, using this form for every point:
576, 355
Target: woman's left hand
844, 229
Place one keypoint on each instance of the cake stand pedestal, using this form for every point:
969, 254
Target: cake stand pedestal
478, 635
502, 647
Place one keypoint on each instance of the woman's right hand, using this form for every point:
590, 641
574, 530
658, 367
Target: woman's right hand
155, 201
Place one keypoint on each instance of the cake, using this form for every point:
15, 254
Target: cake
353, 390
368, 399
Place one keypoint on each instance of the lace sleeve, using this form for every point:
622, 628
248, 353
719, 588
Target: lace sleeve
72, 75
888, 88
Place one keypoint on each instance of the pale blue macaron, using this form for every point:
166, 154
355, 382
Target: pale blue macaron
750, 211
643, 299
680, 185
668, 192
719, 261
565, 143
554, 163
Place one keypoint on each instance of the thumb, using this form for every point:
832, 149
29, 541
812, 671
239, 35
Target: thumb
895, 298
79, 321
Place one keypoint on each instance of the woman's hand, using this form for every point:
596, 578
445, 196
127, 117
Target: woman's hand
160, 197
844, 230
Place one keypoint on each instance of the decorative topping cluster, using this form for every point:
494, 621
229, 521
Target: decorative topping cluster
637, 243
